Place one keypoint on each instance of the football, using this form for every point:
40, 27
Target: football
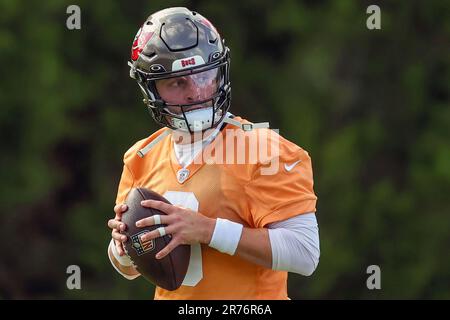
168, 272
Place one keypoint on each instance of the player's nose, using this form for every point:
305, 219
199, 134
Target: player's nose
193, 92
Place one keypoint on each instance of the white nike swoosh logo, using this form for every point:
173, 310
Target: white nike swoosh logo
289, 167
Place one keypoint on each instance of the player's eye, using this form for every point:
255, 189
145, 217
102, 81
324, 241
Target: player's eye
178, 82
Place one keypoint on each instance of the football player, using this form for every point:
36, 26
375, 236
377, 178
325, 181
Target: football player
247, 227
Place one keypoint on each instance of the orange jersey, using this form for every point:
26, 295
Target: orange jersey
238, 192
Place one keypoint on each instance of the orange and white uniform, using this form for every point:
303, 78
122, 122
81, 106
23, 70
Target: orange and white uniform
237, 192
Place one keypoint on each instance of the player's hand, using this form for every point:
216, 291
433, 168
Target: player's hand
186, 226
117, 225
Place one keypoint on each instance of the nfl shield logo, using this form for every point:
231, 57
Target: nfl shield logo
140, 246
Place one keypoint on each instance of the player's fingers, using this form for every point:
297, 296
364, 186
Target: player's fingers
155, 219
119, 248
115, 224
118, 236
159, 232
167, 249
120, 208
159, 205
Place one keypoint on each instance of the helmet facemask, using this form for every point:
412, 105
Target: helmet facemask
180, 43
208, 96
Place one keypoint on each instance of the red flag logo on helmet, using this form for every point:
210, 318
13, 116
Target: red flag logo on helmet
140, 40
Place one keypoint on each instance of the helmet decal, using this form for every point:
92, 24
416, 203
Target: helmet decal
140, 40
187, 63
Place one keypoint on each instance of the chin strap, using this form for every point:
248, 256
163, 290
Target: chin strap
244, 126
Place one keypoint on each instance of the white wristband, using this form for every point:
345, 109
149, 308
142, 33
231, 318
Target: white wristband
226, 236
123, 260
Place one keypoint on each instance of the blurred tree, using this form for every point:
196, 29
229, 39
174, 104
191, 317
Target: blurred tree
371, 108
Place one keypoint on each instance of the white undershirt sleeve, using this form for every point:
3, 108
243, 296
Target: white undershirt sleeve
295, 244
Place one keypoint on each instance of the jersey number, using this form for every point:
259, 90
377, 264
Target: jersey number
195, 270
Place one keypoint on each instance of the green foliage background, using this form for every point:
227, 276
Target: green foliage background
371, 107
